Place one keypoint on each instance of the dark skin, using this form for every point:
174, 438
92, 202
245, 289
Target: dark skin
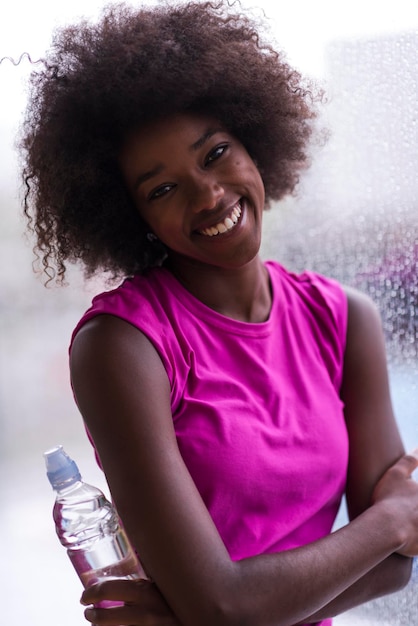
125, 401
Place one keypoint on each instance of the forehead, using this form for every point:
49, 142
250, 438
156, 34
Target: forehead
179, 128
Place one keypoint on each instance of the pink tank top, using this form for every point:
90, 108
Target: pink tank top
256, 407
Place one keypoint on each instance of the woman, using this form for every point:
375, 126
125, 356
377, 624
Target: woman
231, 402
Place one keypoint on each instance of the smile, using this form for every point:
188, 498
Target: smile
227, 224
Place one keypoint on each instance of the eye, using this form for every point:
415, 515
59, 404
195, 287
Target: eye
160, 191
216, 153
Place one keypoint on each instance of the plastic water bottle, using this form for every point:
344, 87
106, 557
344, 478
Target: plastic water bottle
88, 526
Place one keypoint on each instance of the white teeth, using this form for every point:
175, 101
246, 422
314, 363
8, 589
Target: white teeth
222, 227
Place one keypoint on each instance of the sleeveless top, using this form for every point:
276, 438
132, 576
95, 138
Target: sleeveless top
256, 406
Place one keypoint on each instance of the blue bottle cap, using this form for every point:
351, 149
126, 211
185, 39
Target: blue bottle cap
61, 470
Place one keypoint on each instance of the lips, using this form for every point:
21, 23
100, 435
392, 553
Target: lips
227, 224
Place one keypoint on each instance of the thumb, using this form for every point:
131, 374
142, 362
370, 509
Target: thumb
408, 463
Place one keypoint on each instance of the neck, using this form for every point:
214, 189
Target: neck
241, 293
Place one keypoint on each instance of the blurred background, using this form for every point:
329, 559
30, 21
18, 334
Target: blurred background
355, 218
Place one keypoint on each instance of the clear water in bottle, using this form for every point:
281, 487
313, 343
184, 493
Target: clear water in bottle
88, 526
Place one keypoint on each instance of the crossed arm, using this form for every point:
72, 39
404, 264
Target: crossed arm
125, 403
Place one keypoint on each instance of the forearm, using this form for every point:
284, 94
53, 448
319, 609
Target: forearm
331, 573
389, 576
297, 586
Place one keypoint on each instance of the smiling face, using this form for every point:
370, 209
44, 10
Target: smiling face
197, 188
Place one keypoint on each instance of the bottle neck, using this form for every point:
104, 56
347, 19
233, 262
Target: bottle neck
65, 489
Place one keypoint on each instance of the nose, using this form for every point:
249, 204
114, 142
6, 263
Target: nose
205, 193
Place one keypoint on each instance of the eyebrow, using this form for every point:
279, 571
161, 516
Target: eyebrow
142, 178
207, 135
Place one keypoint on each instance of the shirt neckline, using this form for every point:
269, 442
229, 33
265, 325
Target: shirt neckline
200, 310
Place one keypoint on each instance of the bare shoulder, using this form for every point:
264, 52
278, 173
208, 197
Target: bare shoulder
116, 371
362, 311
105, 332
365, 363
109, 344
365, 336
373, 434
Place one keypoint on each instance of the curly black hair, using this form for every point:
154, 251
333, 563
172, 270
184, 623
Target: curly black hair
100, 80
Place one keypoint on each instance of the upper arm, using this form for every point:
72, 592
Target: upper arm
375, 443
123, 393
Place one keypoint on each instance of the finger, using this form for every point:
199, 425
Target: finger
101, 617
408, 463
414, 453
130, 616
122, 589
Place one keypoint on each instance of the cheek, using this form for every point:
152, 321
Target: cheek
165, 225
259, 179
258, 182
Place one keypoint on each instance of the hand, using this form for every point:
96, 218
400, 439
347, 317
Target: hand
143, 604
397, 489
